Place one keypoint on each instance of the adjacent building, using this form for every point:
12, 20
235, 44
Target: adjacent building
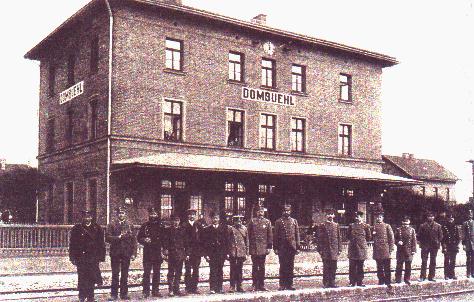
436, 180
156, 103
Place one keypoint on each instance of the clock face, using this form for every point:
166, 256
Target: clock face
269, 48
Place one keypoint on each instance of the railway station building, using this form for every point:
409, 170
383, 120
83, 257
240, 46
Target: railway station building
155, 103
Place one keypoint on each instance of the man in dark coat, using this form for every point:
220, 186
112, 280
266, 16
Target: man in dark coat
194, 251
176, 251
327, 237
217, 249
382, 236
286, 243
430, 236
405, 239
86, 250
450, 246
260, 245
358, 234
151, 237
123, 249
468, 243
238, 252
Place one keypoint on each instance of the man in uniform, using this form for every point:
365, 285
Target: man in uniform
194, 251
382, 235
123, 249
327, 237
405, 239
86, 250
286, 243
358, 234
468, 243
151, 237
450, 246
217, 247
175, 245
260, 245
430, 236
238, 252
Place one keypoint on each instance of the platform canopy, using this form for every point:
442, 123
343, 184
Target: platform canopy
215, 163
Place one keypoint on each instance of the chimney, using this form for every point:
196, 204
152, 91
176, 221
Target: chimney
3, 164
408, 155
261, 19
174, 2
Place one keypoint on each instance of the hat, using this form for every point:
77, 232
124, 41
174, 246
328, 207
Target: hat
379, 213
405, 218
359, 213
257, 209
429, 213
175, 217
329, 211
120, 209
287, 207
86, 212
237, 217
214, 214
190, 210
450, 215
152, 210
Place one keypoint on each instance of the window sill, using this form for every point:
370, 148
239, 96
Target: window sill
173, 71
346, 102
235, 147
267, 149
298, 152
178, 141
269, 88
304, 94
236, 82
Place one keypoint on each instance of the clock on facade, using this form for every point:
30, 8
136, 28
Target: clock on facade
269, 48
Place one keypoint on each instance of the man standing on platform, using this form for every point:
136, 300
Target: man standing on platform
260, 245
382, 235
217, 248
286, 243
123, 249
86, 250
468, 243
450, 245
175, 245
327, 236
193, 231
358, 234
151, 237
238, 252
405, 239
430, 236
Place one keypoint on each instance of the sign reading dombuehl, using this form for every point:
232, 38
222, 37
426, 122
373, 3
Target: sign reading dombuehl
253, 94
71, 93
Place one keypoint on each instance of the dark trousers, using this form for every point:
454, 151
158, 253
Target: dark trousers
431, 252
287, 265
399, 270
175, 270
86, 279
383, 271
356, 272
155, 283
216, 275
258, 271
191, 277
120, 266
470, 263
450, 264
236, 265
329, 272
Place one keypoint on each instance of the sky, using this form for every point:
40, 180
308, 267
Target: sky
428, 99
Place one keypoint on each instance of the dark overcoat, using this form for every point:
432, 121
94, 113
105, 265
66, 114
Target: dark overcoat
152, 251
286, 235
327, 237
451, 238
383, 241
238, 242
175, 242
260, 236
216, 240
468, 235
430, 235
358, 235
126, 245
194, 235
405, 239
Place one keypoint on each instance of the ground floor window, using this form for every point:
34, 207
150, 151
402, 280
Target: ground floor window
195, 202
166, 206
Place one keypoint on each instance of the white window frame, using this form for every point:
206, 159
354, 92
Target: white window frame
275, 135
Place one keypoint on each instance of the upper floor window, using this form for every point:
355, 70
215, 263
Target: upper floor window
93, 119
267, 131
94, 55
173, 120
69, 126
235, 124
174, 54
268, 73
345, 87
345, 140
51, 78
236, 66
50, 134
298, 78
71, 65
297, 134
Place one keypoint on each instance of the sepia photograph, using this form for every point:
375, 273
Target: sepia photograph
251, 150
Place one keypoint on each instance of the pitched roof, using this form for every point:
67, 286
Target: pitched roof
421, 169
382, 59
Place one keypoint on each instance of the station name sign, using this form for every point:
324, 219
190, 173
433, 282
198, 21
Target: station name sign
71, 93
253, 94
